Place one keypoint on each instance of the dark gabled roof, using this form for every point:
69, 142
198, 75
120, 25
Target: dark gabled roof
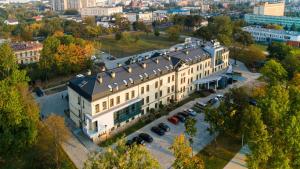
90, 87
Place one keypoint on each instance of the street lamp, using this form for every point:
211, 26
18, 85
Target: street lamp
105, 132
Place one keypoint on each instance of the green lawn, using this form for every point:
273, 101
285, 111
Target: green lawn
216, 157
263, 47
131, 46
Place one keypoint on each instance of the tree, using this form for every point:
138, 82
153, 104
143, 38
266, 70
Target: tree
279, 50
118, 35
273, 72
18, 111
173, 32
293, 27
122, 157
190, 128
156, 32
56, 125
244, 38
183, 155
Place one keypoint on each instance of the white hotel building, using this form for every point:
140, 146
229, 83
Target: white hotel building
265, 35
104, 102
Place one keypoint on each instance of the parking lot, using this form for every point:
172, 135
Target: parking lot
159, 148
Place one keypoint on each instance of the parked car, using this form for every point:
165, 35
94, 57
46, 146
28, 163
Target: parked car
129, 143
158, 131
192, 112
180, 118
184, 114
164, 127
253, 102
201, 105
39, 92
138, 140
173, 120
213, 101
146, 137
220, 96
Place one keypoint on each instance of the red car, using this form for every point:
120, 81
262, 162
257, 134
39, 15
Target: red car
173, 120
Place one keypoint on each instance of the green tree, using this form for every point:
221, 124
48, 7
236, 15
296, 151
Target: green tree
273, 72
122, 157
190, 128
279, 50
183, 155
18, 111
173, 33
156, 32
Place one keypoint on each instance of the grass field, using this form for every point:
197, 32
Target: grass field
134, 43
216, 157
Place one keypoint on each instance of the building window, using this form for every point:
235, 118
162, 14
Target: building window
169, 79
161, 82
147, 99
197, 67
173, 88
192, 70
118, 99
156, 95
111, 102
173, 78
127, 96
82, 103
156, 84
160, 93
156, 105
104, 105
147, 88
147, 110
97, 108
142, 101
132, 94
142, 90
78, 99
168, 90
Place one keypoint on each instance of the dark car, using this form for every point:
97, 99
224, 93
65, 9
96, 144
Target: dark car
158, 131
164, 127
213, 101
146, 137
173, 120
138, 140
253, 102
39, 92
184, 114
180, 117
129, 143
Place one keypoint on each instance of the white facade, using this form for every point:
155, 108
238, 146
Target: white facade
263, 34
101, 11
97, 117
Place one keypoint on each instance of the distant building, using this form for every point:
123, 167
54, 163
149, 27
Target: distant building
268, 35
11, 22
272, 9
178, 12
100, 11
265, 20
27, 52
61, 5
142, 16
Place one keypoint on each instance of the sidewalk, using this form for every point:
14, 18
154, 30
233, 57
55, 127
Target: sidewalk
239, 160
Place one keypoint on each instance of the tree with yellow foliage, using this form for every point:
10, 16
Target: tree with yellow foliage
183, 155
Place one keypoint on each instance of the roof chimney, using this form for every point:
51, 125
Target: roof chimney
119, 64
89, 72
156, 60
99, 78
102, 69
144, 65
186, 52
129, 69
112, 74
